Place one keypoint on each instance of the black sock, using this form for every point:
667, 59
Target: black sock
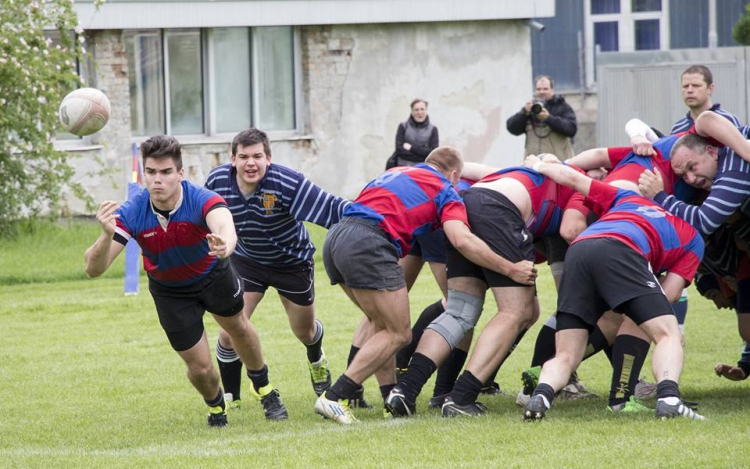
629, 354
217, 401
545, 390
668, 388
491, 379
352, 353
597, 342
609, 353
544, 349
467, 389
259, 378
230, 369
420, 370
385, 390
429, 314
343, 388
448, 372
314, 349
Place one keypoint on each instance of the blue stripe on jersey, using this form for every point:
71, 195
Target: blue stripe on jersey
620, 226
684, 124
406, 189
535, 177
269, 224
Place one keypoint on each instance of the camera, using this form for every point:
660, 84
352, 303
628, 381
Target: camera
537, 106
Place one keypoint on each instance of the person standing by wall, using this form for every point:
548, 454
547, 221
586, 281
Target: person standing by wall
416, 137
548, 122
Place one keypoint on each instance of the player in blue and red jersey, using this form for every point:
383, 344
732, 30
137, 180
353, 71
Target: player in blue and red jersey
361, 254
186, 234
612, 266
502, 207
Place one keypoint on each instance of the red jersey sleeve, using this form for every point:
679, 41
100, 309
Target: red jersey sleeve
454, 210
577, 202
602, 194
617, 154
686, 266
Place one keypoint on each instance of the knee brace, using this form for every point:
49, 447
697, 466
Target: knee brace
460, 316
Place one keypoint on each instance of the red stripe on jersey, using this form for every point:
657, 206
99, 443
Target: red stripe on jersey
178, 234
181, 273
211, 203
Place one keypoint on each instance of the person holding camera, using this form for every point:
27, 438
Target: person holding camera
547, 120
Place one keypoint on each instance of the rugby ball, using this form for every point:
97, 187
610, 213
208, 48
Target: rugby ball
84, 111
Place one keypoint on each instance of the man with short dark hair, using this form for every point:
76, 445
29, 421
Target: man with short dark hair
186, 234
361, 254
547, 120
697, 83
269, 202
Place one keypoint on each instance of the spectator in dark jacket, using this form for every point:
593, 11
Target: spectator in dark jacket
548, 122
415, 137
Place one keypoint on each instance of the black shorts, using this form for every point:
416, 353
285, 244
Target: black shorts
294, 282
496, 221
359, 254
430, 247
181, 309
603, 274
553, 248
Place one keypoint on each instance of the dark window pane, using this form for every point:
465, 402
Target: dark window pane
647, 35
600, 7
606, 36
646, 5
273, 49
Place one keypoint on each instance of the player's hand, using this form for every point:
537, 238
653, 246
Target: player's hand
650, 183
217, 245
407, 146
550, 158
641, 146
527, 107
106, 216
730, 372
523, 272
597, 173
543, 114
531, 160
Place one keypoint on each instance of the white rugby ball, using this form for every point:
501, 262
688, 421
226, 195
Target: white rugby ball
84, 111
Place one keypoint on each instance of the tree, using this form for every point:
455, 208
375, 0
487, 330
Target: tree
741, 30
35, 74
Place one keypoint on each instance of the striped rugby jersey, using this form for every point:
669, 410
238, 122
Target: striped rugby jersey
666, 241
687, 122
178, 254
269, 224
548, 199
730, 188
408, 201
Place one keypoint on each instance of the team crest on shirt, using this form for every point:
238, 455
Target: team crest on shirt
651, 212
269, 202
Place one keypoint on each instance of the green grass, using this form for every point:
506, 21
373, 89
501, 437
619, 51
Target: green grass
88, 379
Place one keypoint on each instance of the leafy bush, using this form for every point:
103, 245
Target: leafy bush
741, 30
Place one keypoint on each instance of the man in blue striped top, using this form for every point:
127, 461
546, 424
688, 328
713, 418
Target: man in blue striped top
697, 88
269, 202
697, 84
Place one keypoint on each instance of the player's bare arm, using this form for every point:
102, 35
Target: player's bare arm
591, 159
99, 256
561, 174
710, 124
672, 284
223, 238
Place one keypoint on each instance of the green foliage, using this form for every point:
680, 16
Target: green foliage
741, 30
35, 74
89, 380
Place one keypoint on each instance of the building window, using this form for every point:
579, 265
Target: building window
212, 81
624, 26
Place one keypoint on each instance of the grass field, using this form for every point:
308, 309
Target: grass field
88, 379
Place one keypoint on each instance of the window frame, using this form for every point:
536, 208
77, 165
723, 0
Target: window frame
625, 30
209, 96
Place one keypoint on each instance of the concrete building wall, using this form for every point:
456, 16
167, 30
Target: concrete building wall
357, 83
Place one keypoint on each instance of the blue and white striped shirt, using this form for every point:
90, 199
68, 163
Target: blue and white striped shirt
684, 124
269, 223
730, 188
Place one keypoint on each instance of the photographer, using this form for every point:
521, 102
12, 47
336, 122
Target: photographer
548, 122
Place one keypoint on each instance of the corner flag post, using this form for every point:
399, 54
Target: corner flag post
132, 251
